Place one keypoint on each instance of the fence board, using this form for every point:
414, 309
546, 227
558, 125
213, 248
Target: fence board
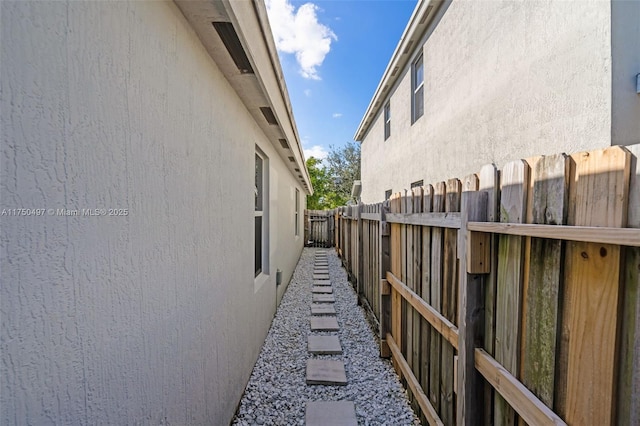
449, 303
598, 197
549, 197
514, 185
628, 408
436, 297
426, 330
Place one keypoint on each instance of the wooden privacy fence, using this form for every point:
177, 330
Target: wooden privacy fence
509, 296
319, 228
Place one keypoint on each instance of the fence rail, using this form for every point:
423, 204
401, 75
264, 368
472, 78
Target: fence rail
509, 300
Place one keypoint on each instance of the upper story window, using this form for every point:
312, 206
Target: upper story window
387, 194
417, 85
387, 120
417, 184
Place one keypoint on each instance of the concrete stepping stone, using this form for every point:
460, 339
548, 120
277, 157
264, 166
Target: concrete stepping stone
324, 345
320, 276
322, 282
323, 298
334, 413
324, 324
326, 289
326, 372
318, 270
322, 309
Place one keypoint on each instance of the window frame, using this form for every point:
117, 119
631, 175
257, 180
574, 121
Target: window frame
417, 88
387, 194
297, 213
261, 210
387, 120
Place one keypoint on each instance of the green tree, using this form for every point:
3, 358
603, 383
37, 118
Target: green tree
320, 182
343, 165
332, 179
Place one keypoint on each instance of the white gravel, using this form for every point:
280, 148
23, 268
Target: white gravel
277, 393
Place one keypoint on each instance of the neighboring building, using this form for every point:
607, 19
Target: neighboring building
176, 116
476, 82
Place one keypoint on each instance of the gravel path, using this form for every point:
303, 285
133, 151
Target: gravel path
277, 393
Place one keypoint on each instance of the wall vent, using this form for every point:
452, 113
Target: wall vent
296, 169
268, 115
284, 143
408, 48
395, 70
292, 159
426, 15
231, 41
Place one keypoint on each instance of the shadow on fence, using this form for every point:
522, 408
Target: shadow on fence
508, 296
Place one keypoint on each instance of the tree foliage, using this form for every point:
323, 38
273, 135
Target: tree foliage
332, 179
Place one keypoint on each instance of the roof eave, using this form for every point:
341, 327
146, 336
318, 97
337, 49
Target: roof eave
420, 19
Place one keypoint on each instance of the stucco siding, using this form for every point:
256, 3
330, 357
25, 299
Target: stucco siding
152, 317
503, 80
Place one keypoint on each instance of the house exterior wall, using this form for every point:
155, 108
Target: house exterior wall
154, 317
503, 80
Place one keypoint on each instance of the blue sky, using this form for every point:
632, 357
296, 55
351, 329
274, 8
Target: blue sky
333, 54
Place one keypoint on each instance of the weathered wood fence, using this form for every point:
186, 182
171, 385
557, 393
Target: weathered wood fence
509, 296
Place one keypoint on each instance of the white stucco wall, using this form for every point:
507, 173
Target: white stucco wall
503, 80
154, 317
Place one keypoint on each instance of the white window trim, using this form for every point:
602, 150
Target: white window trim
263, 276
387, 120
297, 212
416, 87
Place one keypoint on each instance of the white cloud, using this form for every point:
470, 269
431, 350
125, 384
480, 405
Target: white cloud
337, 115
300, 33
316, 151
307, 92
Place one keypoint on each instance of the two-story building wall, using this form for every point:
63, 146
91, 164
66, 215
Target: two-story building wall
477, 82
152, 185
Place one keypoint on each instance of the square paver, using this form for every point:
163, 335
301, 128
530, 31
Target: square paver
326, 289
325, 372
321, 282
334, 413
324, 324
322, 309
324, 345
322, 298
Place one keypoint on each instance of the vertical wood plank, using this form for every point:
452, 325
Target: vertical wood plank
449, 302
426, 330
384, 265
628, 408
549, 197
490, 183
599, 194
417, 284
396, 269
514, 186
470, 400
436, 297
408, 280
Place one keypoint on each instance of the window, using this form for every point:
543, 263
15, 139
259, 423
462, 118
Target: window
297, 215
417, 85
261, 218
417, 184
387, 121
387, 194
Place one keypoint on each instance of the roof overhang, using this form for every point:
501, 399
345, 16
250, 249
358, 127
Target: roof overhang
420, 19
260, 86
